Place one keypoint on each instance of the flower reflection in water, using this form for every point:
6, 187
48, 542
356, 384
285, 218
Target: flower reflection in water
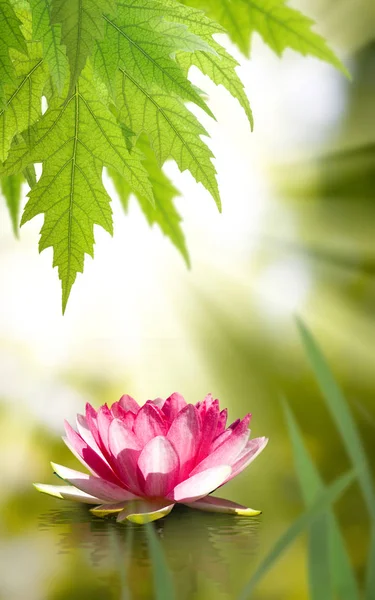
205, 551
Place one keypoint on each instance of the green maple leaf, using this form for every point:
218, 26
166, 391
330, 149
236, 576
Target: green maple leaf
140, 41
174, 132
11, 189
22, 104
164, 213
115, 75
279, 25
74, 140
217, 63
11, 37
82, 24
50, 36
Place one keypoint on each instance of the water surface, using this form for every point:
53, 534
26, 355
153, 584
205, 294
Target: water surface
67, 553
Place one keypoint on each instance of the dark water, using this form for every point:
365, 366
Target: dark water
210, 556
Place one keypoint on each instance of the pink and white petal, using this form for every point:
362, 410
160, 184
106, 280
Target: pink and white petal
117, 411
222, 422
92, 422
125, 449
228, 451
149, 423
128, 403
225, 435
253, 448
209, 426
86, 434
200, 485
173, 405
93, 485
159, 402
220, 505
104, 419
159, 467
202, 407
220, 439
144, 512
87, 456
126, 416
208, 401
108, 509
185, 434
66, 492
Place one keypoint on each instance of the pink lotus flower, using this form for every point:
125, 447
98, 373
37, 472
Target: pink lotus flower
144, 460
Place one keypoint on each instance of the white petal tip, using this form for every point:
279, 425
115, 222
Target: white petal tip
107, 509
144, 515
248, 512
47, 489
141, 519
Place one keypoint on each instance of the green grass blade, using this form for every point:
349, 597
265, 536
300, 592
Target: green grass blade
328, 558
341, 415
122, 551
323, 501
163, 584
370, 577
320, 575
349, 432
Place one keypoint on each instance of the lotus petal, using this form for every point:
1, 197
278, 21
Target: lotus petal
126, 416
142, 511
108, 509
104, 420
125, 448
184, 434
159, 402
227, 452
128, 403
253, 448
149, 423
200, 485
66, 492
209, 427
92, 422
222, 422
159, 467
212, 504
88, 457
173, 405
93, 485
86, 434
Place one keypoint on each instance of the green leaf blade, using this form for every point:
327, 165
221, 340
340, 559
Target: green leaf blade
163, 584
50, 36
81, 24
74, 140
11, 186
22, 101
323, 501
341, 415
173, 131
145, 45
164, 213
328, 556
349, 432
280, 26
283, 27
11, 37
221, 70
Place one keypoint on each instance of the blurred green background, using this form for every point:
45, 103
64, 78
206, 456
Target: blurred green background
296, 237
